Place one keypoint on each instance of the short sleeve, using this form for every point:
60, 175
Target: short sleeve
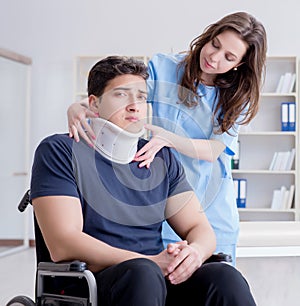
52, 170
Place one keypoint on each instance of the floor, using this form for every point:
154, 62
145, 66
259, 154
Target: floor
274, 281
17, 276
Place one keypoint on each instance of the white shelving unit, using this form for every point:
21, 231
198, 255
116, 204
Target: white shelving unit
261, 139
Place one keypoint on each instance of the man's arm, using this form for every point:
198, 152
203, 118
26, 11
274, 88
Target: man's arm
60, 220
189, 221
61, 223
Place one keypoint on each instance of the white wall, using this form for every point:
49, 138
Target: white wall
53, 32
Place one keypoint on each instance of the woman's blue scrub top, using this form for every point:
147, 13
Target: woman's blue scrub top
212, 182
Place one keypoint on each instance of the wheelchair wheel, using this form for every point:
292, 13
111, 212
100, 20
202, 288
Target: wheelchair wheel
21, 300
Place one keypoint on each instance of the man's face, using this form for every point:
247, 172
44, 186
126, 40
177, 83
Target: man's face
124, 102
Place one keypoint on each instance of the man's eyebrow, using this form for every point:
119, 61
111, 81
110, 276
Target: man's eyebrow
143, 91
128, 88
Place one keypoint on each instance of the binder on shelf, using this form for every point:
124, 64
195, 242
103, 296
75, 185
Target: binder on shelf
292, 116
290, 160
286, 83
279, 86
241, 192
235, 160
236, 188
272, 165
279, 196
283, 198
284, 116
288, 116
283, 161
292, 83
289, 202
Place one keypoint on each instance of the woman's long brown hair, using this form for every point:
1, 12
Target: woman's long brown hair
239, 89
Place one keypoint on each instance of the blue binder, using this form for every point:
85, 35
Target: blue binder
285, 116
292, 117
242, 193
240, 186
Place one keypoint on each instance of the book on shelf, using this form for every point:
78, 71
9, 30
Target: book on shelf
288, 116
240, 186
286, 83
283, 198
282, 161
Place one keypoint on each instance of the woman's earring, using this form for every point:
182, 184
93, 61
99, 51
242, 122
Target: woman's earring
235, 68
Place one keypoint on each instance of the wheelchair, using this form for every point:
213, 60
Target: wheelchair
65, 283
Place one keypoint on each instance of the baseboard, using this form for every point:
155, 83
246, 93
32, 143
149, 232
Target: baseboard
15, 242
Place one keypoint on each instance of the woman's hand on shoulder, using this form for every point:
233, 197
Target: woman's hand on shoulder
158, 140
78, 124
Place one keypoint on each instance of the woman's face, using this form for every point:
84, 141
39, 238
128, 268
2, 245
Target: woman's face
221, 54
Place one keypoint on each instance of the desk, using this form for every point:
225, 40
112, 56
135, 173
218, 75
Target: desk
269, 239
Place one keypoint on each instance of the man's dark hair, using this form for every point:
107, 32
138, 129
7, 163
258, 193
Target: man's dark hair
110, 67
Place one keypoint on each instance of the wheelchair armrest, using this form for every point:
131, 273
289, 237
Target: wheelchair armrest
72, 266
76, 269
219, 258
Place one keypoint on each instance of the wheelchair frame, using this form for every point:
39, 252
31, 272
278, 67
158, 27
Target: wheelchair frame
76, 269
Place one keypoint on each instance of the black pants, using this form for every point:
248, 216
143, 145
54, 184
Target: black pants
140, 282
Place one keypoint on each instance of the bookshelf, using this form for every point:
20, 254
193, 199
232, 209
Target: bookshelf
262, 138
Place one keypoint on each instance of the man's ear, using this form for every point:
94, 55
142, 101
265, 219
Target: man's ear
93, 103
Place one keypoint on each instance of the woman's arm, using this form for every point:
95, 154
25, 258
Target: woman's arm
203, 149
78, 113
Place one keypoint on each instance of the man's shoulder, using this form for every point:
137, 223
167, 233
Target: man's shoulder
57, 138
55, 141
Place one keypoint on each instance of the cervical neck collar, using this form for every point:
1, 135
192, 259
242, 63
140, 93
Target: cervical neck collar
114, 143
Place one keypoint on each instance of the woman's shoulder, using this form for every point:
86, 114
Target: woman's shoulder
168, 58
165, 66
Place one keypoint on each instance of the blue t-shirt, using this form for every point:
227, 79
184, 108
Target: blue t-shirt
122, 205
212, 182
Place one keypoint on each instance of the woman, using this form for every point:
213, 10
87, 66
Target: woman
199, 99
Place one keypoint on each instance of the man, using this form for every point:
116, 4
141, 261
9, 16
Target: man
98, 206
